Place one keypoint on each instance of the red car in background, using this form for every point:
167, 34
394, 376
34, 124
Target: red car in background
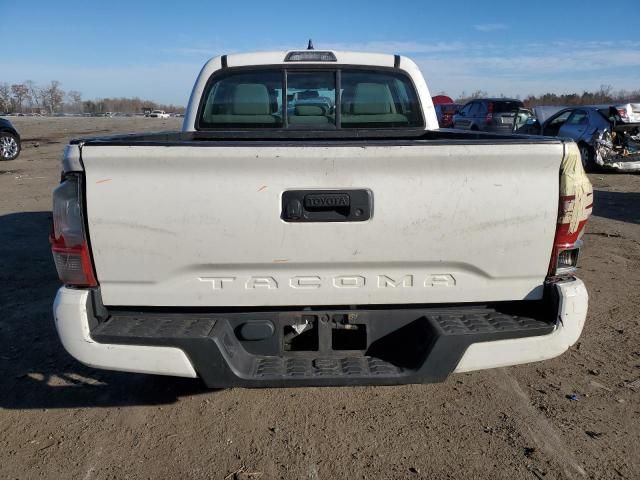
445, 110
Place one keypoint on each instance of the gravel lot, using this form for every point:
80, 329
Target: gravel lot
59, 419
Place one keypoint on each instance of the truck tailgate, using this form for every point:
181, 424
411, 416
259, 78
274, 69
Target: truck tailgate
201, 225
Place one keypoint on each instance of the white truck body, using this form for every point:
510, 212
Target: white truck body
158, 114
194, 226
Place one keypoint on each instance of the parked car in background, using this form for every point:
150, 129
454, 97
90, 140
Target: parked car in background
544, 112
445, 113
158, 114
9, 141
488, 115
528, 119
629, 112
604, 139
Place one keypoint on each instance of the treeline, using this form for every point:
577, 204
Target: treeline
606, 94
127, 105
28, 97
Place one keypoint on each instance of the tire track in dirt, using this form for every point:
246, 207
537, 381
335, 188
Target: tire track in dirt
545, 436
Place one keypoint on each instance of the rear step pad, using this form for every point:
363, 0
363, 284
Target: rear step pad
400, 345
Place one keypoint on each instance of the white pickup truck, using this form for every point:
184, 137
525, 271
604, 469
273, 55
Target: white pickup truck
311, 225
159, 114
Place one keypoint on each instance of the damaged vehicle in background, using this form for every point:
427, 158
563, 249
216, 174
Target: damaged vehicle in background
604, 139
629, 112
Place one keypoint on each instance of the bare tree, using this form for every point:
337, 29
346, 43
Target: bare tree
88, 106
35, 94
75, 100
75, 96
5, 97
20, 92
52, 96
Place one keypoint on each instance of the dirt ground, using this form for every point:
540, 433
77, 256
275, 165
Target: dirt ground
59, 419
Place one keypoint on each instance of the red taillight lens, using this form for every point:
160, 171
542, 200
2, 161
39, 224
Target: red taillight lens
68, 239
574, 209
623, 113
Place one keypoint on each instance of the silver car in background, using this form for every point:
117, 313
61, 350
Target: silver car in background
604, 139
496, 115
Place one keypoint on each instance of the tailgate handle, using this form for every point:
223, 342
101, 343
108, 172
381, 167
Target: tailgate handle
326, 205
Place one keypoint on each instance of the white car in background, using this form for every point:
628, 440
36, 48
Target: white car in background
158, 114
629, 112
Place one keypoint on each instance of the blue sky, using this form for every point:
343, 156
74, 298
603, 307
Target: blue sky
155, 49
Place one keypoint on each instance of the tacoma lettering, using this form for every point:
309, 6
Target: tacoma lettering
308, 282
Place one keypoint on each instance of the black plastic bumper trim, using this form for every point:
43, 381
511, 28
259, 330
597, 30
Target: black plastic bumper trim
421, 345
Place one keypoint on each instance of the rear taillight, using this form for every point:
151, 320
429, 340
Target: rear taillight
574, 209
623, 113
68, 238
489, 116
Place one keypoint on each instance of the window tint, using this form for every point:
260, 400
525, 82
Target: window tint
369, 99
579, 117
244, 100
378, 99
506, 107
311, 98
561, 118
476, 109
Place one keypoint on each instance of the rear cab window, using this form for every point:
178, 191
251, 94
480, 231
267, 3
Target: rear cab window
311, 98
248, 99
378, 99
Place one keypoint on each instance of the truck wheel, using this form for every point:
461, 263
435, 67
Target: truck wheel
587, 155
9, 146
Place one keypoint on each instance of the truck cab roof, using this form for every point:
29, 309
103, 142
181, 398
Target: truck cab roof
280, 56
